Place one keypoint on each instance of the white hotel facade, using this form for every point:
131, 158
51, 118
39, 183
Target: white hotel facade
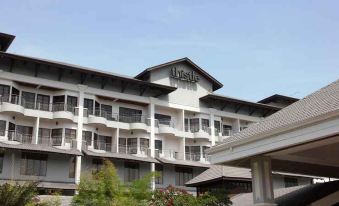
58, 120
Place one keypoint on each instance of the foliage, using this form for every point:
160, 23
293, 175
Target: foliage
105, 189
172, 196
52, 201
16, 194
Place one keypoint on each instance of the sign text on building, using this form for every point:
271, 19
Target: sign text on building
183, 75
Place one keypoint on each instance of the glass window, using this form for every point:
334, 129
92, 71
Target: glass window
131, 171
56, 137
129, 115
186, 125
2, 127
144, 145
122, 145
1, 161
28, 100
97, 108
88, 104
106, 111
58, 103
15, 96
33, 164
163, 119
183, 175
71, 167
44, 136
87, 136
160, 170
205, 124
70, 135
72, 102
158, 145
290, 181
132, 144
4, 93
217, 126
226, 130
43, 102
97, 165
192, 153
24, 134
194, 125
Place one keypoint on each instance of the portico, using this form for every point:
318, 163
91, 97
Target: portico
302, 138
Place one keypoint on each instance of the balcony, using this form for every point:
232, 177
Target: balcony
16, 137
173, 155
166, 126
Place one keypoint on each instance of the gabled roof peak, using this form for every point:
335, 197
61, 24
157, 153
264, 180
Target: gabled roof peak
216, 83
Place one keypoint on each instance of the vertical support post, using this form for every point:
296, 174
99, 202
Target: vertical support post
35, 138
212, 128
236, 126
6, 130
116, 141
12, 165
262, 185
151, 110
82, 89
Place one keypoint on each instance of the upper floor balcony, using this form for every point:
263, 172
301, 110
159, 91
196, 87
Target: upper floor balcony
187, 156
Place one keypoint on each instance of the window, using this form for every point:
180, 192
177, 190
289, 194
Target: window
87, 136
183, 175
2, 127
97, 165
122, 145
70, 135
243, 127
144, 145
15, 96
163, 119
71, 167
204, 148
28, 100
44, 136
217, 127
131, 171
58, 103
226, 130
1, 161
194, 125
205, 124
24, 134
102, 142
106, 111
132, 145
290, 181
129, 115
43, 102
56, 137
4, 93
160, 170
88, 104
33, 164
72, 102
192, 153
158, 145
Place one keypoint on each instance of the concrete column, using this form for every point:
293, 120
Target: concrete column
212, 128
116, 140
182, 149
236, 126
262, 185
138, 146
35, 138
6, 130
201, 153
151, 110
82, 89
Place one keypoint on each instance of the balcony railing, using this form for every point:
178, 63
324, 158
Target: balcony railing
57, 107
124, 149
106, 114
132, 118
101, 145
192, 156
169, 123
19, 137
227, 132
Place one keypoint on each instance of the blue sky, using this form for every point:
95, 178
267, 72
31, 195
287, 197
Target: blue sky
255, 48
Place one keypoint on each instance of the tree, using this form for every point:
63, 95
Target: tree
16, 194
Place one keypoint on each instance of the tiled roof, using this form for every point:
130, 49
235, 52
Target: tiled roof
120, 156
218, 171
315, 107
307, 195
184, 163
40, 148
246, 199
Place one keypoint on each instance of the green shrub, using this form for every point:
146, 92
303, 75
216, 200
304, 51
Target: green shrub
16, 194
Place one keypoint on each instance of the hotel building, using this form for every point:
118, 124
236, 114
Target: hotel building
58, 120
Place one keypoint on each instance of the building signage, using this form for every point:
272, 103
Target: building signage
183, 75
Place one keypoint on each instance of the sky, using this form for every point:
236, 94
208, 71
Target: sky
255, 48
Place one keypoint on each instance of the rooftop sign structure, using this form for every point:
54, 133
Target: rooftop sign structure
184, 76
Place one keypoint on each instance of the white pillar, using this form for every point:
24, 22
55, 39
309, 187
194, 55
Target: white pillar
35, 138
212, 128
82, 89
151, 111
262, 185
116, 141
236, 126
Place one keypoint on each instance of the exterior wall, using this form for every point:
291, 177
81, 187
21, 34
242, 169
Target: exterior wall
278, 181
187, 93
57, 168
